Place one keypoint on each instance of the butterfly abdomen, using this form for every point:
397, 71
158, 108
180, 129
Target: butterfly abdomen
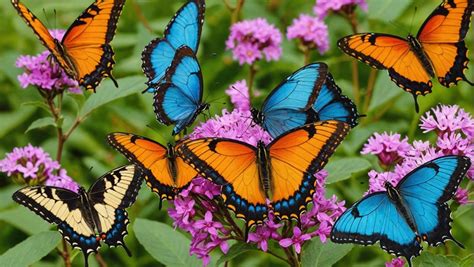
264, 172
401, 206
425, 61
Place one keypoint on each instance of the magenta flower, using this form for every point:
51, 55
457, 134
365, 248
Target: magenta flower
397, 262
323, 7
443, 118
235, 125
43, 72
296, 240
250, 40
208, 225
33, 166
311, 31
462, 196
377, 180
239, 95
389, 148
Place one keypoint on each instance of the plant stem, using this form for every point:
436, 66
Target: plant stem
351, 18
235, 10
252, 73
370, 89
307, 55
100, 260
141, 17
65, 254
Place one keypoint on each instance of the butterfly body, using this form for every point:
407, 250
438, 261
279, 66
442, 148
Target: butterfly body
84, 52
88, 217
277, 176
404, 215
437, 51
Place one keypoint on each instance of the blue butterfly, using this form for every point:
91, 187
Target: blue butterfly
178, 99
184, 29
308, 95
405, 215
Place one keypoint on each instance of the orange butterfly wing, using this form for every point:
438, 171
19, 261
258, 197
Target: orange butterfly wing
152, 157
84, 53
383, 51
295, 157
442, 37
232, 164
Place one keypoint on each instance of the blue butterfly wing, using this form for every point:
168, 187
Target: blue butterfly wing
178, 99
332, 105
296, 94
184, 29
375, 218
425, 191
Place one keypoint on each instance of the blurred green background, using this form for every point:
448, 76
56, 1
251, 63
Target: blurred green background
390, 109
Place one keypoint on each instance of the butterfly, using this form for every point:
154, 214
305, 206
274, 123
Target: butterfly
164, 172
178, 100
405, 215
84, 52
88, 217
308, 95
438, 50
184, 29
282, 171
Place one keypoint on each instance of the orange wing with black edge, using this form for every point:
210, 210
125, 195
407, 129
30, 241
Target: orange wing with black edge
87, 42
295, 157
442, 37
156, 162
232, 164
84, 53
383, 51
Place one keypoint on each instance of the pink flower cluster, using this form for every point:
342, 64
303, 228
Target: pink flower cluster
453, 126
32, 165
239, 95
250, 40
312, 32
43, 72
323, 7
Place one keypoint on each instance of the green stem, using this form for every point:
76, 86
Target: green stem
370, 89
235, 17
307, 55
251, 78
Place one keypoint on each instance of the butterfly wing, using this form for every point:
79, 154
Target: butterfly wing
232, 164
295, 157
285, 106
184, 29
442, 36
64, 208
152, 158
332, 105
375, 218
109, 196
178, 100
383, 51
87, 42
425, 191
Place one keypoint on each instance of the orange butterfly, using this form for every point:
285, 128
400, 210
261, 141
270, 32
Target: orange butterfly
438, 50
282, 171
165, 173
84, 52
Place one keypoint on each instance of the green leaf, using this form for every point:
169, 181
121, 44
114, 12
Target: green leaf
41, 123
387, 10
315, 253
343, 169
6, 196
30, 250
11, 120
468, 261
165, 244
108, 93
38, 104
25, 220
385, 91
428, 259
235, 251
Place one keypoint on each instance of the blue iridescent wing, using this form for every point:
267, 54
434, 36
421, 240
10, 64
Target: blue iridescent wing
296, 94
184, 29
425, 191
332, 105
375, 218
178, 99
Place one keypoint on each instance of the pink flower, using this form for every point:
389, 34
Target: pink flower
462, 196
239, 95
296, 240
43, 72
397, 262
323, 7
312, 32
389, 148
443, 118
249, 40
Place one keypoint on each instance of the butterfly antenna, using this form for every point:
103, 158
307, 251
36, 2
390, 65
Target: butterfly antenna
129, 253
